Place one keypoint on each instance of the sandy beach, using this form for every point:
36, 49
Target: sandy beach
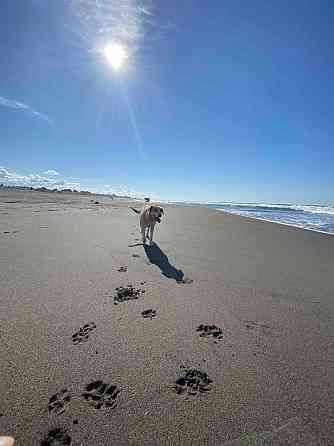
237, 350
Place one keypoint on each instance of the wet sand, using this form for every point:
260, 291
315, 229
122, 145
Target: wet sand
238, 345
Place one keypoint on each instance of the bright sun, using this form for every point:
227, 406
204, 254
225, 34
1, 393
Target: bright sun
116, 55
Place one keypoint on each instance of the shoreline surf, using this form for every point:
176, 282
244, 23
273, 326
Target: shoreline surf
316, 218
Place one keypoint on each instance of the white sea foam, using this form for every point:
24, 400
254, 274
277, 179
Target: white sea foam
312, 217
315, 221
315, 228
314, 209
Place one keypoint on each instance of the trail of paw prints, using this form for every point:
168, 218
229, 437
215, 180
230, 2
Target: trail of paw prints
259, 327
149, 313
193, 382
262, 332
57, 437
124, 294
122, 269
210, 330
10, 232
83, 334
59, 401
100, 394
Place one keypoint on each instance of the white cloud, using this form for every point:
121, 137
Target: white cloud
9, 103
34, 180
123, 191
51, 172
52, 181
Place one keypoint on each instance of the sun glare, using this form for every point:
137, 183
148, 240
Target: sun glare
115, 54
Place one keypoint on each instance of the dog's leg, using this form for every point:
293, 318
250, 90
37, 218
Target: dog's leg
151, 234
143, 235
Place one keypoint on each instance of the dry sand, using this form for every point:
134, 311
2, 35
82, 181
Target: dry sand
269, 288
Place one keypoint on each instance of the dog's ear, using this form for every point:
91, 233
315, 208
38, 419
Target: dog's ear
162, 211
150, 209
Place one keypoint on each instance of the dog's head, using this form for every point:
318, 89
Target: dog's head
156, 212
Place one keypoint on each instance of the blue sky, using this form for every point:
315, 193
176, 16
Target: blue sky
218, 101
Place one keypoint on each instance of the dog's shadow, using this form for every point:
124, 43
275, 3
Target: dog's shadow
159, 258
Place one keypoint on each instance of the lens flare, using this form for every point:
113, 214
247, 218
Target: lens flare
115, 54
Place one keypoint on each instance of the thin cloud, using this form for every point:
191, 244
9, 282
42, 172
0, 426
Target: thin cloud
129, 22
51, 172
16, 105
13, 104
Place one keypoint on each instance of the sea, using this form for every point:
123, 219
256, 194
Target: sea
312, 217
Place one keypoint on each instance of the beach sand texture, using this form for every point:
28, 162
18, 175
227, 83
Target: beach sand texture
220, 334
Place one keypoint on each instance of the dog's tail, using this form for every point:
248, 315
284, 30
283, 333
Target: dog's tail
135, 210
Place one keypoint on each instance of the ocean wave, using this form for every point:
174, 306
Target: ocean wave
313, 209
315, 221
316, 209
314, 217
316, 227
266, 207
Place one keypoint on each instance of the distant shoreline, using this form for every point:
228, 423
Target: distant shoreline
64, 191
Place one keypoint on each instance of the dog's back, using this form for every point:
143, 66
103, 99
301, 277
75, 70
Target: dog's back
145, 216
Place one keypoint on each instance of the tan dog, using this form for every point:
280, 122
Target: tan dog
149, 215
